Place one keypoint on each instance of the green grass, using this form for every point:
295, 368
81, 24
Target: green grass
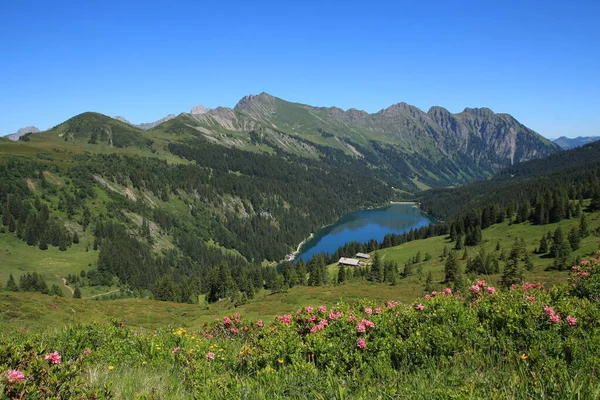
19, 258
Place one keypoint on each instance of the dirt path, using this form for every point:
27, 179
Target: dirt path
67, 286
102, 294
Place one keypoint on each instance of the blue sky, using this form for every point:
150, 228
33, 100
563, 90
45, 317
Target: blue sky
537, 60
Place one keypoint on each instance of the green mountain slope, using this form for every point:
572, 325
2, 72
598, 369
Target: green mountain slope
197, 204
433, 149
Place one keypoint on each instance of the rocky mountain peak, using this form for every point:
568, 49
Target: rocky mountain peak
482, 112
22, 132
199, 110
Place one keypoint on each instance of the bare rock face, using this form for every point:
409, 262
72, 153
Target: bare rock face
199, 110
23, 131
488, 139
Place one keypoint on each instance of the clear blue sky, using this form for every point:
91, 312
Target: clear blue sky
538, 60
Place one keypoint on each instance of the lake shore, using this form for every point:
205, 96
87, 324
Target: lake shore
292, 256
403, 202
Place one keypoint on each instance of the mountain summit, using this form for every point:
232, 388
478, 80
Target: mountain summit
22, 132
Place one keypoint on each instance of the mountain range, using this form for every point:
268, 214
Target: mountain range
568, 143
236, 186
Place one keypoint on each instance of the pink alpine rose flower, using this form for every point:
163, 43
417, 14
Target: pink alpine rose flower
491, 290
54, 358
226, 321
368, 323
549, 311
210, 355
571, 320
176, 350
361, 343
447, 291
369, 310
378, 310
555, 319
427, 296
259, 323
481, 283
308, 309
474, 288
322, 309
360, 328
14, 375
419, 307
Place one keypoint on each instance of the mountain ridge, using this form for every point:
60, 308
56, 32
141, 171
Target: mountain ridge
569, 143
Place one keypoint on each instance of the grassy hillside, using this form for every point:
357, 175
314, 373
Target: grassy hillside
522, 343
36, 311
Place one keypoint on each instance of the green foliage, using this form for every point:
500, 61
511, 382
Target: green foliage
531, 342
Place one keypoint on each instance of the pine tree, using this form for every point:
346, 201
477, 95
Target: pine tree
75, 238
445, 252
418, 257
11, 285
451, 268
342, 274
465, 254
376, 274
557, 241
77, 293
574, 238
584, 230
459, 242
428, 282
543, 249
513, 271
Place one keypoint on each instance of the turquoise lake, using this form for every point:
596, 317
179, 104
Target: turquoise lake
363, 225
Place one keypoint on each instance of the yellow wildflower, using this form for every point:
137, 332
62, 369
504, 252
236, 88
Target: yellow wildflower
523, 356
110, 367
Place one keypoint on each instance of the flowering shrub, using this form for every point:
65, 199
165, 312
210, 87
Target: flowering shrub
527, 330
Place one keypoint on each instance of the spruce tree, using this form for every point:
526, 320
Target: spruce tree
459, 242
451, 268
584, 230
574, 239
543, 249
376, 273
11, 285
513, 271
342, 274
77, 293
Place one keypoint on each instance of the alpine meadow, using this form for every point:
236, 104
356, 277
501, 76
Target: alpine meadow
275, 249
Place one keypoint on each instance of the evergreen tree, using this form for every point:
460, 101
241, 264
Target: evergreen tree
574, 239
451, 268
418, 257
428, 282
557, 241
459, 242
77, 293
584, 230
513, 271
376, 274
75, 238
342, 274
11, 285
465, 254
445, 252
595, 203
543, 249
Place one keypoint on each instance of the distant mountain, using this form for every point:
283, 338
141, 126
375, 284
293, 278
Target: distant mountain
569, 143
199, 109
146, 125
22, 132
434, 148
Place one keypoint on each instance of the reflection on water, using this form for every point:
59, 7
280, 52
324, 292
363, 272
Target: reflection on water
361, 226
